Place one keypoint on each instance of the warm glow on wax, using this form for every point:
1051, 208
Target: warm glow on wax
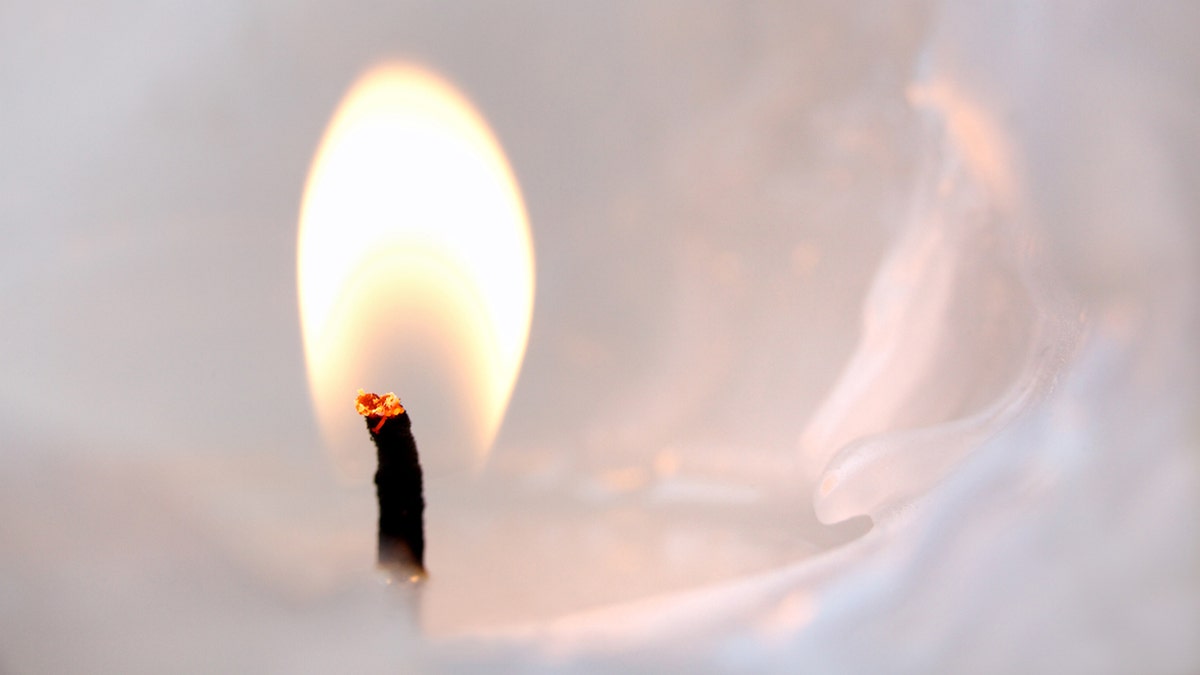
414, 263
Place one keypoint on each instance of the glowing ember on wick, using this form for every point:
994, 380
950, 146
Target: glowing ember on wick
374, 405
398, 484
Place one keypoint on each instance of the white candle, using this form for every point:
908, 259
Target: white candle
710, 196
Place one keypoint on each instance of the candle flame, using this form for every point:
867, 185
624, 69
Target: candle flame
414, 268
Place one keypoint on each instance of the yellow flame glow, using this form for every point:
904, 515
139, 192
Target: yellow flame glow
414, 268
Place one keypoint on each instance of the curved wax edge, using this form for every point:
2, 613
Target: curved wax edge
1048, 537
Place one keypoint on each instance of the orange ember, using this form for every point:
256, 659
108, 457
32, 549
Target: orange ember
374, 405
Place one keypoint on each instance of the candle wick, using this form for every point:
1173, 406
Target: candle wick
379, 426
